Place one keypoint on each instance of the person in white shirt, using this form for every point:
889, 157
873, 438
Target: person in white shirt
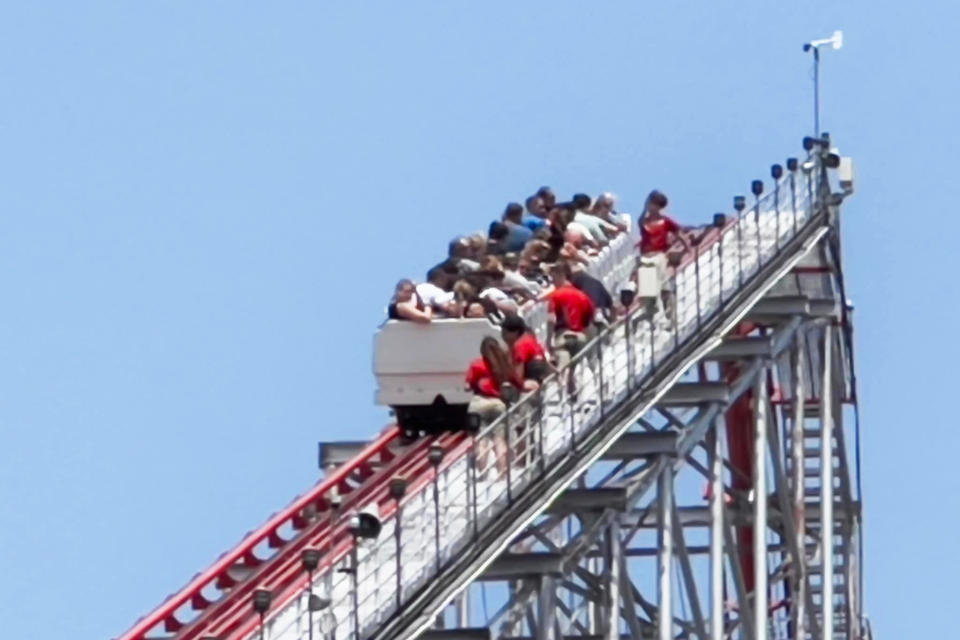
514, 279
434, 293
603, 209
600, 229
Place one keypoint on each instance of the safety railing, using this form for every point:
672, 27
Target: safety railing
258, 545
467, 486
613, 265
231, 575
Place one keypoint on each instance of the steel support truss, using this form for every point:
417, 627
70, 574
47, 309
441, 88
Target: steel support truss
650, 542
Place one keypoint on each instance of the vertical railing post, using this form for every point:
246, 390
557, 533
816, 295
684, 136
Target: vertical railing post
435, 456
474, 494
739, 204
776, 171
355, 577
540, 448
398, 487
674, 314
756, 187
597, 345
719, 222
631, 352
696, 274
653, 344
509, 447
792, 166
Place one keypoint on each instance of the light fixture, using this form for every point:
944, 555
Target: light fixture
366, 522
310, 559
261, 600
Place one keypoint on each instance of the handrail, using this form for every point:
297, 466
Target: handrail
285, 576
415, 547
165, 613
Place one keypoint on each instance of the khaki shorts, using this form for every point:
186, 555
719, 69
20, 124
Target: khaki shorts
489, 409
659, 262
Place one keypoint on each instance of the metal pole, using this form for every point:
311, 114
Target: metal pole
799, 602
615, 557
816, 92
546, 615
760, 507
463, 610
309, 608
826, 483
716, 534
665, 560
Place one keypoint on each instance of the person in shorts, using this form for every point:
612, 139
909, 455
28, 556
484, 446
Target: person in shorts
658, 232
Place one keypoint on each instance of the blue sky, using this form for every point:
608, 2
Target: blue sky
204, 207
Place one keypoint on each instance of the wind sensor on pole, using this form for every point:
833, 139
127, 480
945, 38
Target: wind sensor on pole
837, 41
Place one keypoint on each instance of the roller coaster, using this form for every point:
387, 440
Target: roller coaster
693, 478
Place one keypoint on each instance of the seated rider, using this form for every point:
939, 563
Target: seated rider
407, 305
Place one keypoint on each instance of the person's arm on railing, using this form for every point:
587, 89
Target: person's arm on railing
409, 311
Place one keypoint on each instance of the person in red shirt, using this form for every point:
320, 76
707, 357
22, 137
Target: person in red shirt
490, 377
573, 313
528, 358
658, 232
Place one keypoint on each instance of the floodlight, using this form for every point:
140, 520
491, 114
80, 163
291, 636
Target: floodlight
261, 600
366, 522
310, 559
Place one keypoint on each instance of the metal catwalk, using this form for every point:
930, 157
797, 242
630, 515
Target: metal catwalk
686, 477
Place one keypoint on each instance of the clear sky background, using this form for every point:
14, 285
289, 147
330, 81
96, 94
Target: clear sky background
204, 207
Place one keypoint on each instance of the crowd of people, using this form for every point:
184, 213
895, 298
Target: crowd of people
534, 252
